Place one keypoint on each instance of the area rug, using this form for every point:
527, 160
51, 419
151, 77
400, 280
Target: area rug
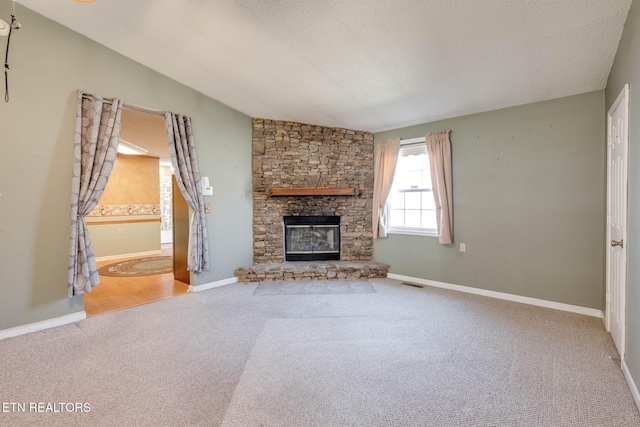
139, 267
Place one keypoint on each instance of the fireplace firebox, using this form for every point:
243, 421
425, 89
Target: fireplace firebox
311, 238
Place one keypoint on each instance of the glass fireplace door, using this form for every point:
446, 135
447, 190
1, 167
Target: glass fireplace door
313, 239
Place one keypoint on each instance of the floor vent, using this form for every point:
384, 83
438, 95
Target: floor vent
412, 284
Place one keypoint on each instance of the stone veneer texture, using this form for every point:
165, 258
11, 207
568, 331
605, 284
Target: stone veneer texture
294, 155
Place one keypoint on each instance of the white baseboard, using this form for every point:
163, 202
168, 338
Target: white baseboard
631, 383
211, 285
501, 295
134, 255
45, 324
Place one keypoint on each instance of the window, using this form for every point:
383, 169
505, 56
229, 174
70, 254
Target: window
410, 207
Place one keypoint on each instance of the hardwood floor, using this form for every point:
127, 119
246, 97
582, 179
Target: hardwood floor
117, 293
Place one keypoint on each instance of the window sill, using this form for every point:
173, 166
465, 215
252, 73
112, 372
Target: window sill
409, 232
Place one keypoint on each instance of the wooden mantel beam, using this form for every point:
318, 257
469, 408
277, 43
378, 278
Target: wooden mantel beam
314, 191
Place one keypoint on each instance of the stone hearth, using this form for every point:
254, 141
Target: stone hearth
312, 270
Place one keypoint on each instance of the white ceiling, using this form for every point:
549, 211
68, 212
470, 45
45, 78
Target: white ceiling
361, 64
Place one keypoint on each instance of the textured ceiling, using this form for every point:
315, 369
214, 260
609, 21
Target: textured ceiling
146, 131
361, 64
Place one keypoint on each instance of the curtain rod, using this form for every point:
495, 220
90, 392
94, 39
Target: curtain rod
130, 106
420, 140
412, 141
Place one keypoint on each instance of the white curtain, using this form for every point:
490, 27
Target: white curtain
182, 149
439, 147
385, 168
95, 149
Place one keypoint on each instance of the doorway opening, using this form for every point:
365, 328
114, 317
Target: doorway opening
132, 227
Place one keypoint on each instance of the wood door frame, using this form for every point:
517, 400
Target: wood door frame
623, 98
180, 246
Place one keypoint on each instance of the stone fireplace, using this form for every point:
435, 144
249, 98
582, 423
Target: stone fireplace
296, 155
292, 162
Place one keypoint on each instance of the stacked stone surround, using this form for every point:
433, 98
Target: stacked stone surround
294, 155
312, 270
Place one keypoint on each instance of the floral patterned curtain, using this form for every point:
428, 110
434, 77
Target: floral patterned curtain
95, 149
182, 149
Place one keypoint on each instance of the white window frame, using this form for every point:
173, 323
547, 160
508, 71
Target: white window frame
428, 232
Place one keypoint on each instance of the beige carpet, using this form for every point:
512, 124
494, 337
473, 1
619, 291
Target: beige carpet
314, 287
401, 356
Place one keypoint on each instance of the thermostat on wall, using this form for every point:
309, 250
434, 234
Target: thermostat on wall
207, 190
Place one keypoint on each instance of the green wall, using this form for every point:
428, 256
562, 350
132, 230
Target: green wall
529, 193
133, 238
626, 69
49, 63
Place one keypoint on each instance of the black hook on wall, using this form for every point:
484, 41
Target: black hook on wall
14, 25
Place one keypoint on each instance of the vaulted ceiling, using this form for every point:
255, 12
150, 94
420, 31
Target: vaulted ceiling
361, 64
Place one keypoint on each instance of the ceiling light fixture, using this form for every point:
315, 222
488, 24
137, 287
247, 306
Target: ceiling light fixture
85, 1
6, 27
126, 147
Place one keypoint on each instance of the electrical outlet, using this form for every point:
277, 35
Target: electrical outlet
119, 230
463, 247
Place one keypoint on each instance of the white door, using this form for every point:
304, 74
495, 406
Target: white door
617, 143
